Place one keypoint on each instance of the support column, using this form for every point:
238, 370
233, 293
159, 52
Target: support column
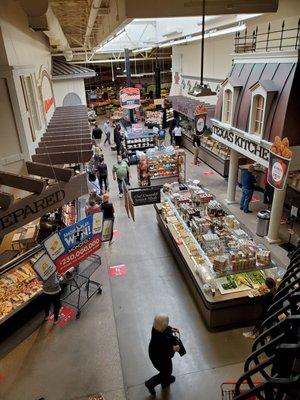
275, 217
128, 77
232, 177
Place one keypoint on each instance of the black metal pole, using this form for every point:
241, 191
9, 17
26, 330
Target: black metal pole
128, 78
202, 41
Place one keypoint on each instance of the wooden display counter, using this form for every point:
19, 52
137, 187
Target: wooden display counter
218, 311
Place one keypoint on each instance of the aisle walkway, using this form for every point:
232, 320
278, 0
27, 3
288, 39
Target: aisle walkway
105, 351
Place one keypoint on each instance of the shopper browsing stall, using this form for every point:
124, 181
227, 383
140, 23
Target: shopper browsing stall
248, 184
51, 289
177, 135
196, 145
102, 175
97, 135
120, 170
108, 211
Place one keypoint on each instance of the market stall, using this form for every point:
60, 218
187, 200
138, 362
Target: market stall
138, 140
161, 165
223, 265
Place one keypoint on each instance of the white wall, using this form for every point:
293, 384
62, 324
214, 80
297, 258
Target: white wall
23, 53
64, 86
219, 50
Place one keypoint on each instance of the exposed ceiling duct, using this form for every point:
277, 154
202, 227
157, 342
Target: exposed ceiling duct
42, 18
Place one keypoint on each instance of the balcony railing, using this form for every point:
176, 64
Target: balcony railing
284, 39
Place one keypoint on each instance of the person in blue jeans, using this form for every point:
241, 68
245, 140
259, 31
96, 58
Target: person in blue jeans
248, 184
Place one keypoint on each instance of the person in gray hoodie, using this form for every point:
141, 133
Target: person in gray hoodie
51, 289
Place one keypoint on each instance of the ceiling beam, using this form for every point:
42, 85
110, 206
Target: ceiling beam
49, 171
22, 182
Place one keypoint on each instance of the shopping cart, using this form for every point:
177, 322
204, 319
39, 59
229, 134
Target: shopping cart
227, 390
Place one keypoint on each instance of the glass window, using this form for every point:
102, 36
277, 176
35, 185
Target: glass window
227, 106
258, 112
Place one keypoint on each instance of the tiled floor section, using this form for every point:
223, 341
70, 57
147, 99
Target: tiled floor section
105, 351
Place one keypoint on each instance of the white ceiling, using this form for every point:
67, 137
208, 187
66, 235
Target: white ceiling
144, 33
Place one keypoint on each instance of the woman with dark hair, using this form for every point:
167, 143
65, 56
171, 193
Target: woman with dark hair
161, 352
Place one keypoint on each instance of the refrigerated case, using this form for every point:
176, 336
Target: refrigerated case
19, 285
226, 293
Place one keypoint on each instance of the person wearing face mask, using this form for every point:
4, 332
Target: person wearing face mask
120, 171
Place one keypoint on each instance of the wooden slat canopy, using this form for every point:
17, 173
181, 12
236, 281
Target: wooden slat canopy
67, 157
67, 147
49, 138
22, 182
62, 142
49, 171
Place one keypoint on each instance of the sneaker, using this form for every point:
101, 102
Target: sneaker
121, 195
150, 388
249, 335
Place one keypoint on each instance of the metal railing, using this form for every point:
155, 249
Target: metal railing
272, 40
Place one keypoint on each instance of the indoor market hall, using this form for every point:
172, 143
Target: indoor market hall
149, 200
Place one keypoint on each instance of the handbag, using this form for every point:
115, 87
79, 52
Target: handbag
178, 342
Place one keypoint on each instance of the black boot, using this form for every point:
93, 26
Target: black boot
150, 388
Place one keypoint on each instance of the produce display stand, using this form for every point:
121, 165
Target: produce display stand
80, 287
218, 310
160, 166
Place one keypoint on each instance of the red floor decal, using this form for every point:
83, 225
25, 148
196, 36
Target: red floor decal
117, 270
116, 234
208, 173
65, 315
1, 377
255, 198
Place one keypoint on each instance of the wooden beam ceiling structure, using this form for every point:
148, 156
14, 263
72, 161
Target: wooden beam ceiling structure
63, 143
60, 131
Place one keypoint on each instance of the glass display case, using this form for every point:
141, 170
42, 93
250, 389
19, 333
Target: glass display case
224, 267
216, 147
19, 284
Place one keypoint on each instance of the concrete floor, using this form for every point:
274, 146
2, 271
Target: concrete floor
105, 351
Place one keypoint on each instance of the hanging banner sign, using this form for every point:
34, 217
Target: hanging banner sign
130, 98
143, 197
278, 170
200, 124
73, 244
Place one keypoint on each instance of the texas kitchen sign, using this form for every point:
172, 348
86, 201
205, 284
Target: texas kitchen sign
256, 151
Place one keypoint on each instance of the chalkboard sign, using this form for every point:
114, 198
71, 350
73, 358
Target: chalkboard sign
142, 197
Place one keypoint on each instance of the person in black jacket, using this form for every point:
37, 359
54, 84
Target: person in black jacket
102, 175
161, 352
97, 135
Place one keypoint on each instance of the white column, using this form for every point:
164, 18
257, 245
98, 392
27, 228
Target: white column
275, 217
232, 177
